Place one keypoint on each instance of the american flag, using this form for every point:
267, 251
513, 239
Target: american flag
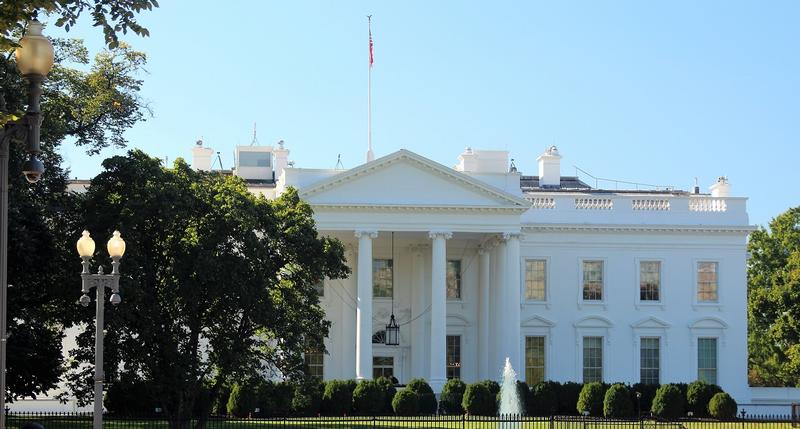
371, 49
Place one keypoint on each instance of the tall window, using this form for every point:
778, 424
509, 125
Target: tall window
535, 279
649, 281
453, 279
382, 366
534, 360
382, 278
453, 356
314, 364
320, 287
707, 360
649, 360
592, 359
707, 281
593, 280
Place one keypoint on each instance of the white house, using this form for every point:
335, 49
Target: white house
478, 263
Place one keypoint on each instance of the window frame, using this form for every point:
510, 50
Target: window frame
716, 355
391, 264
460, 346
696, 277
524, 286
604, 289
603, 357
460, 279
545, 350
660, 356
661, 289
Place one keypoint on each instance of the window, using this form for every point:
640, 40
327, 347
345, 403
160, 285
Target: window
534, 360
314, 364
382, 366
255, 159
592, 359
649, 360
535, 279
593, 280
707, 360
453, 356
320, 288
707, 281
649, 281
453, 279
382, 278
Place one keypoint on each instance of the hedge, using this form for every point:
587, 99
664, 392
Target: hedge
451, 397
368, 399
406, 403
568, 394
543, 399
427, 400
307, 398
668, 402
698, 396
722, 406
388, 394
645, 402
617, 402
242, 400
274, 399
337, 400
479, 399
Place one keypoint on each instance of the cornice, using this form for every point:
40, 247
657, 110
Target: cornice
418, 208
718, 229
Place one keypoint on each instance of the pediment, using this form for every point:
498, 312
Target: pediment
538, 322
651, 323
708, 323
594, 322
407, 179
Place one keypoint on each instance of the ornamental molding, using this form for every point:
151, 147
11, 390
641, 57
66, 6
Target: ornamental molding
426, 165
440, 234
369, 233
418, 208
711, 229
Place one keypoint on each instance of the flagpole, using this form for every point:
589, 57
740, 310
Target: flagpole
370, 154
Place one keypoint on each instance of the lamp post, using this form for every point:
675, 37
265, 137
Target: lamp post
99, 281
34, 60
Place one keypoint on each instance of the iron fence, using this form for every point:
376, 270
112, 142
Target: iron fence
17, 420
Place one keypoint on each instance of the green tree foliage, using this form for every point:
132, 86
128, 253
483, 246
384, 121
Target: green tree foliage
216, 282
307, 398
568, 394
368, 398
406, 403
773, 276
668, 402
617, 402
337, 400
427, 400
130, 398
722, 406
543, 399
451, 397
243, 399
42, 217
698, 395
591, 399
388, 394
113, 16
648, 392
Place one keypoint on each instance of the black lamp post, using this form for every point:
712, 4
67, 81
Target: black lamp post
34, 60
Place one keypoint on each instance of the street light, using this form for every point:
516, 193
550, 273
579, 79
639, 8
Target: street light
34, 60
99, 281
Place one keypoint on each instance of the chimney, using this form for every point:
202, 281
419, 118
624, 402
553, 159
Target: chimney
468, 161
721, 189
201, 156
281, 159
550, 168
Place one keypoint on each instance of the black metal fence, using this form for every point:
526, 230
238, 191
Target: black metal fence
84, 421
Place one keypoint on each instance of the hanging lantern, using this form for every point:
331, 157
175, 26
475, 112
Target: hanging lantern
392, 337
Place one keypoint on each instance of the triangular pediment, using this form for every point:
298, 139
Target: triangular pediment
404, 178
651, 323
538, 322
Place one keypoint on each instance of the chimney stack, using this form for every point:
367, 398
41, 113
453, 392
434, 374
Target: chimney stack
550, 168
281, 159
201, 156
721, 189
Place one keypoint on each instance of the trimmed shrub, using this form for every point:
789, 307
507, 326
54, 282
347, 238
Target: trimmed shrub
479, 400
368, 399
451, 397
722, 406
617, 402
668, 402
645, 402
129, 398
543, 399
337, 399
406, 403
427, 400
568, 394
274, 399
591, 399
522, 391
243, 400
388, 394
307, 398
698, 396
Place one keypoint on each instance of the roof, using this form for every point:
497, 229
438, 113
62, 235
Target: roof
571, 183
530, 184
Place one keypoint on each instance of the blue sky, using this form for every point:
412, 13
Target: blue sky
641, 91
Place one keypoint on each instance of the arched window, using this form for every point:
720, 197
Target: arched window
379, 337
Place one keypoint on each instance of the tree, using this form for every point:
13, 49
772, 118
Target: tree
773, 277
41, 249
217, 283
113, 16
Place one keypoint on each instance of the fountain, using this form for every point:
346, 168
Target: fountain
510, 406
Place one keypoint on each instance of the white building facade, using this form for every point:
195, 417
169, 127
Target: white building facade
571, 283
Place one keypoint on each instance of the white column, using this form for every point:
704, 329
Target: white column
438, 369
511, 286
498, 356
349, 324
483, 313
364, 306
418, 307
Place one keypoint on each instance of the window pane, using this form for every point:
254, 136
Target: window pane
320, 288
707, 360
453, 279
593, 280
382, 367
592, 359
707, 281
535, 280
649, 280
534, 360
382, 278
314, 364
649, 360
453, 356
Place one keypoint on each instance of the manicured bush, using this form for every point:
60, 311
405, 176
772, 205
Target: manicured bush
130, 398
274, 399
243, 399
427, 400
645, 402
307, 398
698, 395
451, 397
722, 406
543, 399
388, 394
617, 402
479, 400
568, 394
368, 399
406, 403
668, 402
591, 399
337, 399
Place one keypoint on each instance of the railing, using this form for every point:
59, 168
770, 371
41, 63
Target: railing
84, 421
659, 204
594, 203
708, 204
542, 202
629, 208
